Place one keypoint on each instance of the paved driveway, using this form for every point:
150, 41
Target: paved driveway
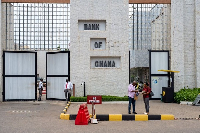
43, 117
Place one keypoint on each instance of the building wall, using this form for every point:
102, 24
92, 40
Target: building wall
184, 45
184, 38
100, 81
197, 42
3, 37
1, 60
7, 42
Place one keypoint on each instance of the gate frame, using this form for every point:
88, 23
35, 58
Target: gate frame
3, 93
150, 74
57, 75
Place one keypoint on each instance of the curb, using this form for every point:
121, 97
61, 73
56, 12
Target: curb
65, 109
122, 117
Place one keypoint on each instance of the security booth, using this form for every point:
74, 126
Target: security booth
168, 92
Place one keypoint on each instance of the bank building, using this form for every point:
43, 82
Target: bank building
105, 44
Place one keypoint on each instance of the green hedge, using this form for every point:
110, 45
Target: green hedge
78, 99
104, 98
186, 94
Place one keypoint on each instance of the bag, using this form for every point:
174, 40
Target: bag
40, 88
151, 94
135, 96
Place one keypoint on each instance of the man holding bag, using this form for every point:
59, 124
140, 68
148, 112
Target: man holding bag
131, 93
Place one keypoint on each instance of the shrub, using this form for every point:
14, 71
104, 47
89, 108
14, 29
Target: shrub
186, 94
104, 98
78, 99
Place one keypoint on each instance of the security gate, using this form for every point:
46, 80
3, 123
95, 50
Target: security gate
19, 75
158, 60
57, 71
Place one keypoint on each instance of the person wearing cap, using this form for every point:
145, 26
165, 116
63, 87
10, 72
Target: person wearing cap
40, 89
131, 93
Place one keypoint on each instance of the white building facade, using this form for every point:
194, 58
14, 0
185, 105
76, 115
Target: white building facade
100, 56
100, 43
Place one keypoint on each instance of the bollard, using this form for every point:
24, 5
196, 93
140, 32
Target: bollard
74, 90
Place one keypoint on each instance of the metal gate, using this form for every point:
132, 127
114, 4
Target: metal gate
57, 71
19, 75
158, 60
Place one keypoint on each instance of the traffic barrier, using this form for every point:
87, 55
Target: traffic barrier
115, 117
129, 117
83, 116
167, 117
141, 117
63, 115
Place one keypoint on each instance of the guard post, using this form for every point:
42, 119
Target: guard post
168, 92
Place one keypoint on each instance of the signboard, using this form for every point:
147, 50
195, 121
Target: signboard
105, 62
96, 99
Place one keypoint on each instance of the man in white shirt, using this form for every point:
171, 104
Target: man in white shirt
40, 89
68, 86
131, 94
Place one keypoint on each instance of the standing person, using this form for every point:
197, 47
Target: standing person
40, 89
68, 89
146, 90
131, 92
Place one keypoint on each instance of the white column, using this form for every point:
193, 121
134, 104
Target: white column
189, 45
114, 17
197, 41
177, 42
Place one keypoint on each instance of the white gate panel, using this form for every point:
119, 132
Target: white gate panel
57, 72
19, 75
57, 64
159, 60
56, 87
157, 82
19, 88
20, 63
